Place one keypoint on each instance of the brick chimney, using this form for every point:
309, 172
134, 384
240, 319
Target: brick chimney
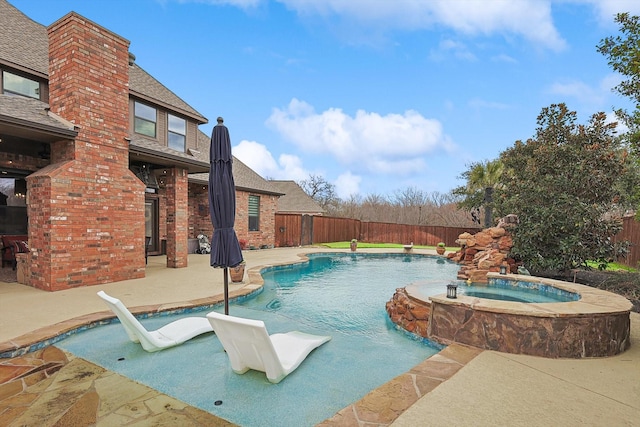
86, 209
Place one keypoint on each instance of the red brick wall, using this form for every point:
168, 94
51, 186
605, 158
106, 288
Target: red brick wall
19, 161
176, 189
266, 234
199, 218
86, 210
200, 221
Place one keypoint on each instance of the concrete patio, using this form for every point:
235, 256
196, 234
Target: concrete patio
459, 386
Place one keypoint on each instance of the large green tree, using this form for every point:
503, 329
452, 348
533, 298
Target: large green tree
564, 185
623, 53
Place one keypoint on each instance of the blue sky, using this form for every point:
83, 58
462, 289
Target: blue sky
374, 95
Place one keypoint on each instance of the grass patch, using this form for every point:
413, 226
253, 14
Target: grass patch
613, 266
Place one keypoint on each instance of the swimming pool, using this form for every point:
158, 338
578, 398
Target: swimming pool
342, 295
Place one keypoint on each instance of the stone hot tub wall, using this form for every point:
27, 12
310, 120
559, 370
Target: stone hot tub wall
597, 325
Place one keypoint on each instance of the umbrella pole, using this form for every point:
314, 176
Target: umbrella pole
226, 291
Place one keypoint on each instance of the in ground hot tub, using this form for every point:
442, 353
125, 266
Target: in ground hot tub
594, 323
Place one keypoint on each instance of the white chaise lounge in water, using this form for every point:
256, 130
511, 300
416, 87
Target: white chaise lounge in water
249, 346
173, 334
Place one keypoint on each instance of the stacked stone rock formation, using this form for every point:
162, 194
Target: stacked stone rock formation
412, 315
483, 252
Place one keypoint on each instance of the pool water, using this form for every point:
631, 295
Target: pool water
341, 295
516, 294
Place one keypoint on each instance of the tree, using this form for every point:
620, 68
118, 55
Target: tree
623, 52
482, 178
409, 203
563, 185
320, 190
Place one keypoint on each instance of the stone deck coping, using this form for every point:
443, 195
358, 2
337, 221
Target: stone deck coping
592, 301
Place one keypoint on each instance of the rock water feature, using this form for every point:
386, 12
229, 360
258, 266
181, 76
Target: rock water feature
479, 254
484, 252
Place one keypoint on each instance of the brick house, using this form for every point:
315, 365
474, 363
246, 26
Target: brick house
96, 155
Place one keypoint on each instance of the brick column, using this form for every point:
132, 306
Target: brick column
86, 209
176, 188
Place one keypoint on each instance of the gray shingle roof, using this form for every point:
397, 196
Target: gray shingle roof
295, 200
245, 178
142, 149
22, 112
23, 109
145, 86
24, 45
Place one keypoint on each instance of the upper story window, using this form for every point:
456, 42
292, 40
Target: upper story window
145, 119
177, 134
18, 85
254, 213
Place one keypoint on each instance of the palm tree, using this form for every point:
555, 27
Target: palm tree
485, 176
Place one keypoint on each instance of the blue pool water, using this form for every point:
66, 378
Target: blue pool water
515, 294
341, 295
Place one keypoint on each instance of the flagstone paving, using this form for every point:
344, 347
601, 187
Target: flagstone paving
50, 387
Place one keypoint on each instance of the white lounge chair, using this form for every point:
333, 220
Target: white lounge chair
173, 334
249, 346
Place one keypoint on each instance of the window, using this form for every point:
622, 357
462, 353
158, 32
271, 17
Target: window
17, 85
145, 119
254, 213
177, 133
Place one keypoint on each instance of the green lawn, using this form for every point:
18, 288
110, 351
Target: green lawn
614, 266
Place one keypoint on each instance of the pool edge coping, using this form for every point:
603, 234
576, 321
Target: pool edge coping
592, 301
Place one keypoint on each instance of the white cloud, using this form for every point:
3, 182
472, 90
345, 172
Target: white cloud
530, 19
347, 184
242, 4
607, 9
291, 168
450, 47
392, 143
504, 58
259, 158
593, 97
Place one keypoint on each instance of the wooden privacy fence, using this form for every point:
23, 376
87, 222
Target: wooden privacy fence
294, 230
630, 232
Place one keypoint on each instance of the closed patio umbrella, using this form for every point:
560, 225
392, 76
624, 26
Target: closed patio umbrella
225, 248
